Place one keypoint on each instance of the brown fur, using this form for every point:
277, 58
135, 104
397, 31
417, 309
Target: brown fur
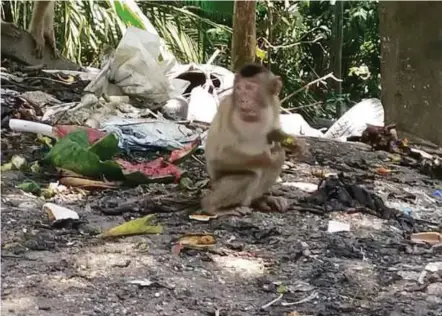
241, 163
42, 27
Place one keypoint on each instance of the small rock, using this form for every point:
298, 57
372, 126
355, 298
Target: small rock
28, 205
435, 289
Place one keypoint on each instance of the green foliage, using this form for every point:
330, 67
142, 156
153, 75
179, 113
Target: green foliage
296, 34
86, 29
301, 51
220, 11
73, 152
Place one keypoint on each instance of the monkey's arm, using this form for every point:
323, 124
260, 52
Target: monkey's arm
233, 158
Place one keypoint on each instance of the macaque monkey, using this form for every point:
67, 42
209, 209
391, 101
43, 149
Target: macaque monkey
42, 27
241, 161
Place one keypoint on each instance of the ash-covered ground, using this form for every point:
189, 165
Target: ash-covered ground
288, 258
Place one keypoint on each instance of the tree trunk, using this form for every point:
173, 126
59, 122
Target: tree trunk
244, 33
338, 38
411, 66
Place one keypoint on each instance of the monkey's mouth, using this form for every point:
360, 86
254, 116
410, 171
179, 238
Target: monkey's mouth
249, 117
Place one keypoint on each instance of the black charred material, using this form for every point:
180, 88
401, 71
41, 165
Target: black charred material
339, 194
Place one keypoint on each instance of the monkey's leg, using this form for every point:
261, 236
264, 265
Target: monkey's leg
48, 29
37, 25
10, 29
232, 195
262, 200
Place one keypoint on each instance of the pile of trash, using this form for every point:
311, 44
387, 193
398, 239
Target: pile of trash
142, 100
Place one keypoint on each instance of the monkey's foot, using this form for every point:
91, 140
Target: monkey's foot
270, 203
10, 29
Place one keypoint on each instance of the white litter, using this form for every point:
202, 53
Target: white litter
335, 226
304, 186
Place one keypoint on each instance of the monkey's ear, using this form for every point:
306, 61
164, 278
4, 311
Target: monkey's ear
275, 85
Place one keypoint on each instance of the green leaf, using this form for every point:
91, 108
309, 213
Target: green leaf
105, 148
282, 289
73, 153
30, 187
127, 15
135, 227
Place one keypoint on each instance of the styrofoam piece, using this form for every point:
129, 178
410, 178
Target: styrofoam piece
335, 226
355, 120
295, 124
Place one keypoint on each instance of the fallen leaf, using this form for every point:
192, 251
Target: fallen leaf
197, 240
7, 167
431, 238
186, 183
19, 162
45, 140
282, 289
87, 184
30, 187
383, 171
319, 173
135, 227
395, 158
35, 167
202, 217
48, 193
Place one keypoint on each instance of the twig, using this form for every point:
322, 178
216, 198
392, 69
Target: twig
305, 106
194, 157
330, 75
272, 302
50, 79
304, 300
293, 44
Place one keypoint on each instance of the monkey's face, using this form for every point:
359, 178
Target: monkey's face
250, 99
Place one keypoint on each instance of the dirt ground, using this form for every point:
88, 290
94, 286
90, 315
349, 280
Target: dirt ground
371, 270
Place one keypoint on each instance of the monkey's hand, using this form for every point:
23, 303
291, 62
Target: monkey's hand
277, 155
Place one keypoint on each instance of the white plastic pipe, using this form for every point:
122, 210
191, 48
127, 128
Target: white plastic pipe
30, 127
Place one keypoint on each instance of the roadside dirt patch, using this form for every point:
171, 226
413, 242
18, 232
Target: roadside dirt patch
370, 270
